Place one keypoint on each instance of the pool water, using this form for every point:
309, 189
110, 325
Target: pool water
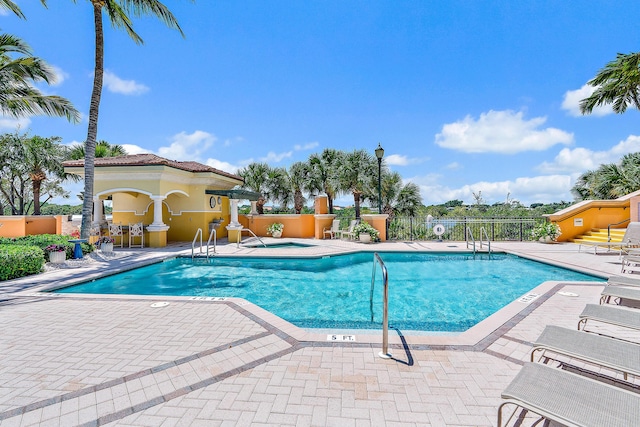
427, 291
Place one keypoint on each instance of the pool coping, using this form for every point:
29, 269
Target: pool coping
478, 337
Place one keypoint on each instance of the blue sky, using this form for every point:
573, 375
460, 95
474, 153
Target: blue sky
464, 96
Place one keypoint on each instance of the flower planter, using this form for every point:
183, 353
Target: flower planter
106, 247
276, 234
57, 257
365, 238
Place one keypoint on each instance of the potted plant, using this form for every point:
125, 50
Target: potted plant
57, 253
365, 232
275, 229
546, 232
105, 243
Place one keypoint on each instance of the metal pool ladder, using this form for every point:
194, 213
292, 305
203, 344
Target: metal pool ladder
213, 235
385, 304
473, 241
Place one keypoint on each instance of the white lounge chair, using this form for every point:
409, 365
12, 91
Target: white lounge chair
609, 314
630, 240
623, 281
570, 399
331, 232
619, 293
621, 356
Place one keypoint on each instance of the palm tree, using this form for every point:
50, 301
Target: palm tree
18, 96
103, 149
357, 172
617, 83
42, 157
610, 181
279, 187
255, 177
11, 6
119, 12
324, 173
299, 175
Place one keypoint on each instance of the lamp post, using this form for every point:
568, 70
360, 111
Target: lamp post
379, 155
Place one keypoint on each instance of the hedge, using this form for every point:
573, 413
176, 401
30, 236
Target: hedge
19, 261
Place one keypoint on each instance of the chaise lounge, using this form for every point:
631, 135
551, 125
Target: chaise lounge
611, 315
569, 399
630, 240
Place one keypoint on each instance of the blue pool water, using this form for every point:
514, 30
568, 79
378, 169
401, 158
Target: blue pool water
427, 291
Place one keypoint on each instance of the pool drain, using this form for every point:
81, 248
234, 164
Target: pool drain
159, 304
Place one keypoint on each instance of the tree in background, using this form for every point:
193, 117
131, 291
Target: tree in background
301, 182
356, 173
609, 181
119, 13
29, 168
324, 170
103, 149
255, 177
617, 84
12, 7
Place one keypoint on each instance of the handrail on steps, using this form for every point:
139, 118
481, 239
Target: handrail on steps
617, 223
482, 229
385, 304
252, 233
469, 233
193, 244
213, 235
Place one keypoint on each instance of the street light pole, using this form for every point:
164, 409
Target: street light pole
379, 155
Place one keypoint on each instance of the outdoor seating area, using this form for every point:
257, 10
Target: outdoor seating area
584, 377
630, 240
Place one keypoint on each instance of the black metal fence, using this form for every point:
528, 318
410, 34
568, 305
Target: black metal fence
424, 228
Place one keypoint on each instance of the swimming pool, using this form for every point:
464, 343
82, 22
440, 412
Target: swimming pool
427, 291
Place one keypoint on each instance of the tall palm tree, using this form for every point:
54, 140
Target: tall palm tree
255, 177
299, 175
279, 187
118, 12
610, 180
18, 96
324, 173
617, 83
356, 174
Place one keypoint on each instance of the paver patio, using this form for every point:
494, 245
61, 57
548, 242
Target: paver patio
117, 360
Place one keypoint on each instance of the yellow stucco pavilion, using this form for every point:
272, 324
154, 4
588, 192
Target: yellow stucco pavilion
171, 198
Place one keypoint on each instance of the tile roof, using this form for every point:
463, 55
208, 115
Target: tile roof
151, 160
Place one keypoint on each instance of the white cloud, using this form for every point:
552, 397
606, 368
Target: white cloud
272, 157
504, 132
580, 160
572, 98
223, 166
135, 149
60, 75
307, 146
453, 166
400, 160
11, 124
527, 190
187, 146
115, 84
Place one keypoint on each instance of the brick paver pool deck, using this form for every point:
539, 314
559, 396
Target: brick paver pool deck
120, 360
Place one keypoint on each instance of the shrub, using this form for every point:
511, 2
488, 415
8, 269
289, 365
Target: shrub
19, 261
366, 228
276, 226
546, 229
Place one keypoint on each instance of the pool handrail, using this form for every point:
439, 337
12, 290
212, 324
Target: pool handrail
252, 233
193, 244
385, 304
215, 237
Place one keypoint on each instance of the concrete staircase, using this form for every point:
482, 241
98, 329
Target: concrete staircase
600, 235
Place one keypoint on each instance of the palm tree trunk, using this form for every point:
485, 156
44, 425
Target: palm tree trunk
356, 203
92, 132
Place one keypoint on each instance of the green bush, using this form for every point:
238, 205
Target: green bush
19, 261
44, 240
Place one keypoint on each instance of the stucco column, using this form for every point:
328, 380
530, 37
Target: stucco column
157, 211
98, 211
234, 212
254, 209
